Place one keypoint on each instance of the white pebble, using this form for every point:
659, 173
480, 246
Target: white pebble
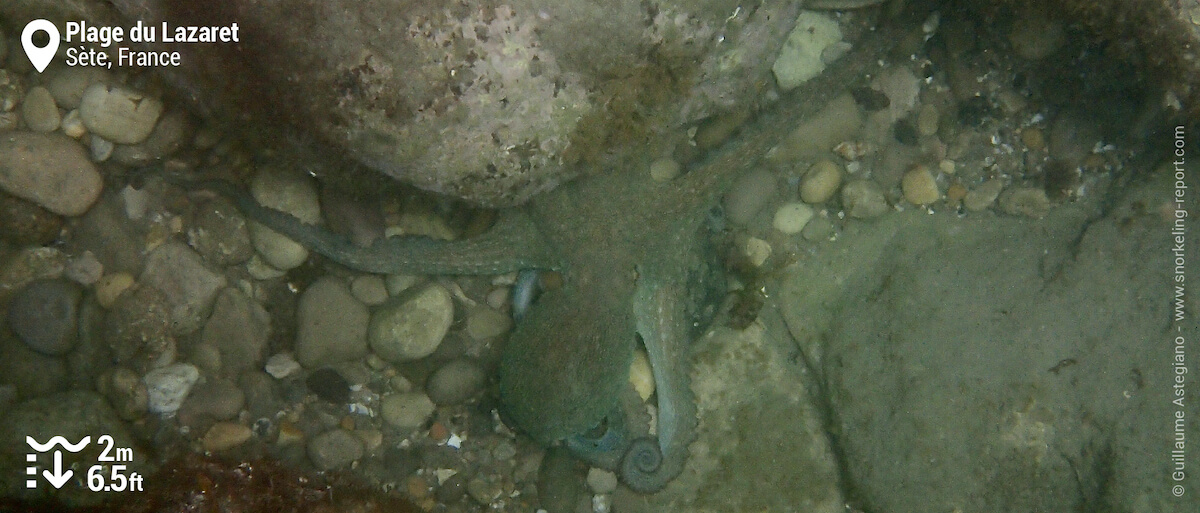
791, 217
101, 148
281, 365
641, 376
169, 386
72, 125
757, 251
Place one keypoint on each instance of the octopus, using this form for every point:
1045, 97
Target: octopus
633, 255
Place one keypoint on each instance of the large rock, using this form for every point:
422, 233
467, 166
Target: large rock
489, 102
969, 360
51, 170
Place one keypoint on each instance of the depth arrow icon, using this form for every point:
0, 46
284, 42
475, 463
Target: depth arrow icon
58, 478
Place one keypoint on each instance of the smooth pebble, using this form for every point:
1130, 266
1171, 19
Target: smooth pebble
39, 111
51, 170
486, 323
791, 217
119, 114
110, 286
331, 324
820, 182
664, 170
219, 399
919, 186
334, 449
44, 315
99, 148
405, 329
238, 328
224, 436
601, 481
407, 410
281, 365
982, 197
757, 251
370, 289
641, 376
455, 382
72, 125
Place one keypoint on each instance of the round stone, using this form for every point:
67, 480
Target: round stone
486, 323
168, 386
601, 481
99, 148
225, 435
51, 170
406, 411
72, 125
39, 111
334, 449
281, 365
927, 120
641, 376
68, 84
370, 289
919, 186
119, 114
455, 382
331, 324
664, 170
1025, 201
45, 314
820, 182
791, 217
982, 197
864, 199
110, 286
405, 329
125, 391
218, 399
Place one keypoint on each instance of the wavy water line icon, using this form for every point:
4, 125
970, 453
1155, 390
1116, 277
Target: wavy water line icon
58, 440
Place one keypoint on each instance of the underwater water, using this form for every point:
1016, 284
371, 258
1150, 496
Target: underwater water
931, 256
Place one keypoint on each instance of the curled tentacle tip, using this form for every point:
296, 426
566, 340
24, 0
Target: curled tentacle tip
641, 464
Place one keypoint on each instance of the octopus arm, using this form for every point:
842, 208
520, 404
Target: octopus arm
512, 244
651, 462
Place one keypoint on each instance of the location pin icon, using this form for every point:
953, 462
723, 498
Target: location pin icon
40, 57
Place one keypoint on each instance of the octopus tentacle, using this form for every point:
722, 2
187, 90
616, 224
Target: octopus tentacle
513, 244
650, 463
